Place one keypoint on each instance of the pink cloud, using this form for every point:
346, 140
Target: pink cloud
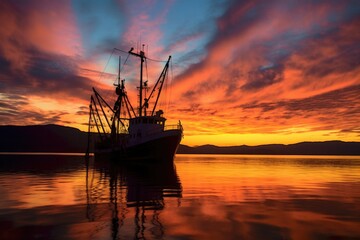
48, 26
144, 28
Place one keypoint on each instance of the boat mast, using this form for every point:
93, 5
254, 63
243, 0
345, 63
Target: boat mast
141, 55
122, 89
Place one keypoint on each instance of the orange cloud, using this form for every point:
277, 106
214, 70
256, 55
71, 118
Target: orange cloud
275, 60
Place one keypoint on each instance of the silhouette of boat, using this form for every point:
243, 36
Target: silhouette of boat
134, 134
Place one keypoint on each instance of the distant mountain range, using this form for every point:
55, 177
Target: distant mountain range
42, 138
303, 148
55, 138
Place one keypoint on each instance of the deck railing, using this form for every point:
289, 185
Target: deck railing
173, 127
166, 128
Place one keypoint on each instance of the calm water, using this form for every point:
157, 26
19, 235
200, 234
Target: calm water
201, 197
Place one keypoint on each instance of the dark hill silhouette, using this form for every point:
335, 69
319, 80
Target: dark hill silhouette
303, 148
55, 138
42, 138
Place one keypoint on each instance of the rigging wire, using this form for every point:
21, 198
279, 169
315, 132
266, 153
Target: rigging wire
170, 84
151, 59
156, 60
147, 79
123, 65
167, 101
119, 50
107, 63
125, 61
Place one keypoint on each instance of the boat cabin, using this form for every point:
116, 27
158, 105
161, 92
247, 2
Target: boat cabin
147, 120
146, 125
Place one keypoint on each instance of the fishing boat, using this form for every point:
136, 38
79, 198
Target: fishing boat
131, 134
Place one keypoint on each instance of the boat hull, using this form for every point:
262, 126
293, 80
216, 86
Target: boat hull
160, 149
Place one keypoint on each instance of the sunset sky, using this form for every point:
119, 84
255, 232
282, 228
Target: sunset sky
242, 72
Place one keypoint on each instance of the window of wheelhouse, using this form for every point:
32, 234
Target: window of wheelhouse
160, 122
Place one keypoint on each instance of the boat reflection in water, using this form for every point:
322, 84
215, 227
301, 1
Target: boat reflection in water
135, 194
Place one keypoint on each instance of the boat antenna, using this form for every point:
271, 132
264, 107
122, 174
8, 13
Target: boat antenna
119, 71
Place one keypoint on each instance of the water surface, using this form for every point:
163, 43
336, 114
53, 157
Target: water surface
199, 197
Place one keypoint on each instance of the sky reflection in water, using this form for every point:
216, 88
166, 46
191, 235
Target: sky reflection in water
201, 197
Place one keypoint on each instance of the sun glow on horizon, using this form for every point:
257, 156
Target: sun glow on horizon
268, 138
